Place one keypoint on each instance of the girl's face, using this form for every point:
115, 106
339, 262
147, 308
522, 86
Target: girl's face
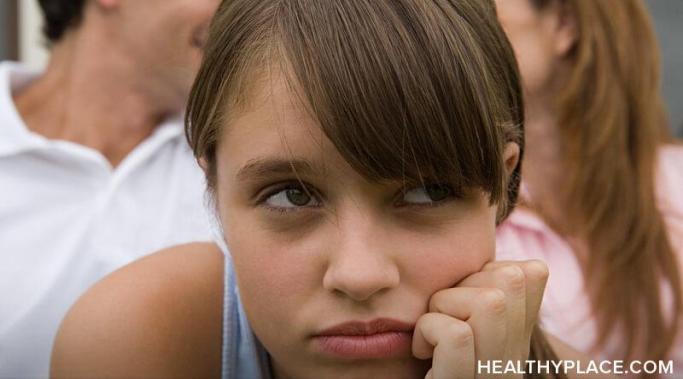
334, 272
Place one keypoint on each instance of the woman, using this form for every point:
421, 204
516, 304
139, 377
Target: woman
359, 155
600, 200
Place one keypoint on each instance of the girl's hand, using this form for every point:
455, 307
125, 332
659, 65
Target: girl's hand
489, 315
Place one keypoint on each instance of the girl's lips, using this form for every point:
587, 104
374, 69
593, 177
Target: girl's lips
379, 338
376, 346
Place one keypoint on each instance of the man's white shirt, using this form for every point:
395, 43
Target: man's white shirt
67, 219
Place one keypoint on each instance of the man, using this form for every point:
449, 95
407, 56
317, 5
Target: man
94, 167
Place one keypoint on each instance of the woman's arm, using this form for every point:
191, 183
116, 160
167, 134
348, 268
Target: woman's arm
157, 317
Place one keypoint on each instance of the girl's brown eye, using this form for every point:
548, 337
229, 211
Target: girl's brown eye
438, 192
291, 197
431, 193
297, 197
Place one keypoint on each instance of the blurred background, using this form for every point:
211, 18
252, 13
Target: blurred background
20, 39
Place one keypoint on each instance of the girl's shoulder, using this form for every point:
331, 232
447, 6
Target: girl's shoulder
160, 316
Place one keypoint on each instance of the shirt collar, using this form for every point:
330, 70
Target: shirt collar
15, 136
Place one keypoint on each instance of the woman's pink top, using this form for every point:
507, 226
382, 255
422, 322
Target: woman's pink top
566, 308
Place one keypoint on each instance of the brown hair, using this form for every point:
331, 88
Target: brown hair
424, 90
612, 123
362, 67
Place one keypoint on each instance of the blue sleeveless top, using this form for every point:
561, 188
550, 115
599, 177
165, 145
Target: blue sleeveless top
243, 356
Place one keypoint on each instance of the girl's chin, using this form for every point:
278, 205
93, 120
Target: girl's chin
363, 369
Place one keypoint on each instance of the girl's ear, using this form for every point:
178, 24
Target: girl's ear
511, 157
203, 164
511, 154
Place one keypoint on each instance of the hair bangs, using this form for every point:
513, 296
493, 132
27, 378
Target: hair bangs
392, 111
415, 91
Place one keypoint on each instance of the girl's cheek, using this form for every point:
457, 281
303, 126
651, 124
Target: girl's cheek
448, 258
271, 271
274, 271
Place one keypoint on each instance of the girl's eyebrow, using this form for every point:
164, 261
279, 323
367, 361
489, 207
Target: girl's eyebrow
261, 168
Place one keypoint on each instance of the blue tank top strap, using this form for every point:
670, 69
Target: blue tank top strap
242, 354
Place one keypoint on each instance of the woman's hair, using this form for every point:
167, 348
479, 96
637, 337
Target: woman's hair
405, 90
612, 122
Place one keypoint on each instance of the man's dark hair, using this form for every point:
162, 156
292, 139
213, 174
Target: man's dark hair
60, 15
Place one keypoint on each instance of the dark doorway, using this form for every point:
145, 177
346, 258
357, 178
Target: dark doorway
9, 40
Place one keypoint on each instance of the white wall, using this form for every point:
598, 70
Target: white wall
32, 50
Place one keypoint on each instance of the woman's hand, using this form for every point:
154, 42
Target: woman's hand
489, 315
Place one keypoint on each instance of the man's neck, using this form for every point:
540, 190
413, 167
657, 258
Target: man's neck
91, 97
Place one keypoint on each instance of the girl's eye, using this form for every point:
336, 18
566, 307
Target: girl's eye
291, 197
431, 193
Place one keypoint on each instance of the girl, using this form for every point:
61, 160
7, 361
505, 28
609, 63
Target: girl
600, 200
359, 155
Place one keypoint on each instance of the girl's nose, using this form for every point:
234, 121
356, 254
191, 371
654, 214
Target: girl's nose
361, 261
